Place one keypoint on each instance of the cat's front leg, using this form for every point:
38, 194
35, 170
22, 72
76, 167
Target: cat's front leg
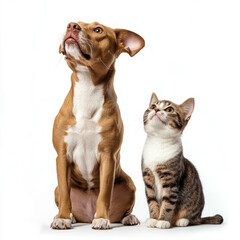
168, 205
169, 201
153, 204
168, 176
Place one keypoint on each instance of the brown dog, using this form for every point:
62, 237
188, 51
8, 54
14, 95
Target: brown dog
88, 131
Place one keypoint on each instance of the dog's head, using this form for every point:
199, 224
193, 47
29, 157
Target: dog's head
97, 46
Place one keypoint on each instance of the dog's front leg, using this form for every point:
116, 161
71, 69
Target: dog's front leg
62, 220
107, 174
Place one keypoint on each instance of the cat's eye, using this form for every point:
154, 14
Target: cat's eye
169, 110
153, 106
98, 30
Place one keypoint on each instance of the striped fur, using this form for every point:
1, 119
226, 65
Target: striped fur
181, 196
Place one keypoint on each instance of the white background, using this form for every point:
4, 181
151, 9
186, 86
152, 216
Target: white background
192, 50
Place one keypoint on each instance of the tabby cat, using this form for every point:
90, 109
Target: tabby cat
173, 188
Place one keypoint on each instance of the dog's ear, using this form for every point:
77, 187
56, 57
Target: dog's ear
129, 42
61, 49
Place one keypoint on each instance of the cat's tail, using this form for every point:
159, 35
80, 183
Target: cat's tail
217, 219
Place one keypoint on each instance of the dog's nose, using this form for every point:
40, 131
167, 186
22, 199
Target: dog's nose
73, 26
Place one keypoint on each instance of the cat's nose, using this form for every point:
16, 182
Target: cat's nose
156, 109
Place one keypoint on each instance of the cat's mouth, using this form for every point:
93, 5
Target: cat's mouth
157, 117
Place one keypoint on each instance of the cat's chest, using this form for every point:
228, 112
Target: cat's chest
158, 151
82, 139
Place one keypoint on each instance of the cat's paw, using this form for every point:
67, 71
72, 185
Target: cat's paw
61, 223
101, 223
163, 224
182, 222
130, 220
151, 222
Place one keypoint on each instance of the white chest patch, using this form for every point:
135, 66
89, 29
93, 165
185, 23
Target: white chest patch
157, 151
83, 138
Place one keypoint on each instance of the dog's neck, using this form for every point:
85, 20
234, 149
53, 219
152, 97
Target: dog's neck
102, 74
98, 77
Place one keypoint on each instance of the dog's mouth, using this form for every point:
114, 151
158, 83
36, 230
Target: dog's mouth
71, 40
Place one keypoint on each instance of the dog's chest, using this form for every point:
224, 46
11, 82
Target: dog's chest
83, 138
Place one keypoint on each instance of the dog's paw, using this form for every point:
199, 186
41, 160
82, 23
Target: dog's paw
151, 222
101, 223
163, 224
73, 219
61, 223
130, 220
182, 222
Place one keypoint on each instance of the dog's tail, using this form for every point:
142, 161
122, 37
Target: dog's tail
217, 219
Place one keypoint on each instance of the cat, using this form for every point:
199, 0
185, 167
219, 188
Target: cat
172, 185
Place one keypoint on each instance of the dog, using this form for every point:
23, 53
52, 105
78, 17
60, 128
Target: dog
88, 131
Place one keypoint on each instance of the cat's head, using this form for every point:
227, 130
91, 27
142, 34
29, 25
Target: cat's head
166, 118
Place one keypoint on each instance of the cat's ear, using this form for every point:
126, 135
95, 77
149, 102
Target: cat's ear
187, 108
154, 99
128, 41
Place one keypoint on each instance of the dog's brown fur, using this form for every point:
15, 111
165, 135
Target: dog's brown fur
111, 183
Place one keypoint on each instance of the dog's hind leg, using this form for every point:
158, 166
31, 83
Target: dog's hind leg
123, 201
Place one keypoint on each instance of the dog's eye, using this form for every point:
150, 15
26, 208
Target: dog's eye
98, 30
